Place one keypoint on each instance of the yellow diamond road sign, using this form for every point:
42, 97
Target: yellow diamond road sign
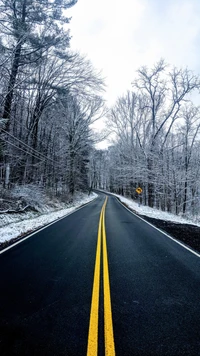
139, 190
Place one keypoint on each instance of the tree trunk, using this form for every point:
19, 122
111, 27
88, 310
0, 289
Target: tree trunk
185, 196
11, 84
7, 178
150, 182
71, 173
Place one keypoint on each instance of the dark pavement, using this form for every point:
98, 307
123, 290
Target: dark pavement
155, 288
46, 287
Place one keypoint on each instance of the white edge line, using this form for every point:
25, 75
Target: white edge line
164, 233
44, 227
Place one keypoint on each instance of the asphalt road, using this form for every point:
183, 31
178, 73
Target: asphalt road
47, 285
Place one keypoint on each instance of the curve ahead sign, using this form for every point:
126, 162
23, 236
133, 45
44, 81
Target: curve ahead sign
139, 190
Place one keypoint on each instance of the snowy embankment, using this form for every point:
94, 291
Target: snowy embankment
157, 214
13, 226
184, 230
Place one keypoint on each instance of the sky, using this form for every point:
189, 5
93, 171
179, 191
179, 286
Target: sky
120, 36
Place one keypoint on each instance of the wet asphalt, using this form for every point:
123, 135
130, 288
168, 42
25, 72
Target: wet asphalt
46, 287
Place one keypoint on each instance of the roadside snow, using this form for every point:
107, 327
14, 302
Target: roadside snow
12, 228
155, 213
15, 229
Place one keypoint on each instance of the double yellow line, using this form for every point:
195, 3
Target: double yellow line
92, 349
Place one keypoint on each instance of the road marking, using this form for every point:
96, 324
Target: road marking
92, 348
162, 232
94, 313
108, 324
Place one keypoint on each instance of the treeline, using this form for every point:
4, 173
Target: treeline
157, 141
49, 97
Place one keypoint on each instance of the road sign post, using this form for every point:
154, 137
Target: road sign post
139, 191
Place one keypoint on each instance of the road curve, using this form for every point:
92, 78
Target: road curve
155, 288
47, 283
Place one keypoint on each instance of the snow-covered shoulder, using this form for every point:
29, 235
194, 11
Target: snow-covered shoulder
29, 224
155, 213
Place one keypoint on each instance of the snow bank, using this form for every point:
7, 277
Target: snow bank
15, 225
155, 213
16, 229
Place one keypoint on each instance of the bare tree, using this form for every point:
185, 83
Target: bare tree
148, 148
189, 132
164, 95
33, 27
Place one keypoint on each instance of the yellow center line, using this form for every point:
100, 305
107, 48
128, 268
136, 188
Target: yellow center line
108, 324
92, 349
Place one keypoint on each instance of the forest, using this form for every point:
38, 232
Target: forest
156, 129
51, 97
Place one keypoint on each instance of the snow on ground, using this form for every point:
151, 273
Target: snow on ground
15, 225
15, 229
155, 213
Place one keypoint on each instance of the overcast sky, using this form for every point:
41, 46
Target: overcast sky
120, 36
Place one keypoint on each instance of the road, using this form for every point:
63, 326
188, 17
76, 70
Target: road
99, 282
